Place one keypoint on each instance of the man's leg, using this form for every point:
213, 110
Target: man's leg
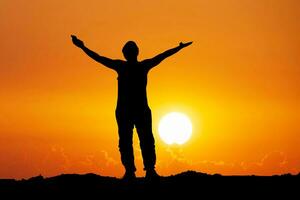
125, 126
143, 122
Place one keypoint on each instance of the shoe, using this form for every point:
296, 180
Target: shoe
151, 175
129, 176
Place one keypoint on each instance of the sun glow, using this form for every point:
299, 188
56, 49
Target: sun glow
175, 128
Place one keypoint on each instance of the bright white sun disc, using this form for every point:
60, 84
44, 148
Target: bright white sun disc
175, 128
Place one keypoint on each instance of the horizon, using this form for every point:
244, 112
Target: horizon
238, 83
187, 173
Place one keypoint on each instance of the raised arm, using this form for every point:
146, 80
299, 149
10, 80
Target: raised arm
110, 63
160, 57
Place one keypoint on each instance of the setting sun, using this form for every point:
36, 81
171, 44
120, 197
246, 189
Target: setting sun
175, 128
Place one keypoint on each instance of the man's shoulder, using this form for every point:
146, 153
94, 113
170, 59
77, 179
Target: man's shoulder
145, 61
119, 64
119, 61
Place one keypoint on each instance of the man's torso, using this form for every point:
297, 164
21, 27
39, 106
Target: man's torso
132, 83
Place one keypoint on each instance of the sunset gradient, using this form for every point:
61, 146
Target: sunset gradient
238, 83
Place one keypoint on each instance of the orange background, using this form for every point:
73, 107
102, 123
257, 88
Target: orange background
239, 83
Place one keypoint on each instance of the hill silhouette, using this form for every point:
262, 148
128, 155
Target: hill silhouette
188, 183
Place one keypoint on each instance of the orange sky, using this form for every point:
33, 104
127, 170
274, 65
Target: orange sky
238, 82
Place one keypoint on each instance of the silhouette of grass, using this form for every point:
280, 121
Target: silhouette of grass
185, 183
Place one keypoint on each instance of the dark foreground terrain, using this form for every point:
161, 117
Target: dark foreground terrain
187, 184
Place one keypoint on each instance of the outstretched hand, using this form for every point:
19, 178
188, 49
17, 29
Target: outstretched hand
77, 42
182, 45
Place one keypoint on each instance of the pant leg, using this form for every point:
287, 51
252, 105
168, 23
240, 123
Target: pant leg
143, 123
125, 129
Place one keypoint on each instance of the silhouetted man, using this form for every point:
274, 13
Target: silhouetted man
132, 106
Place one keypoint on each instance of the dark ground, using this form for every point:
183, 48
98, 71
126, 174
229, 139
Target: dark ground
187, 184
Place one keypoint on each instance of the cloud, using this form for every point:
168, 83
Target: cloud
109, 161
274, 162
174, 162
55, 161
60, 154
274, 159
271, 163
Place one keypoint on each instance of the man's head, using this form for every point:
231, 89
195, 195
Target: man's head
130, 51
